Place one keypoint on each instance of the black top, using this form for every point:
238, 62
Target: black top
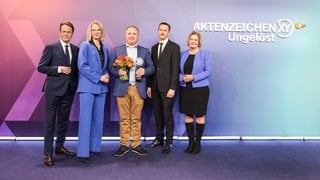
101, 53
187, 68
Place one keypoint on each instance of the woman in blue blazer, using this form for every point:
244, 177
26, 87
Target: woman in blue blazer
92, 89
195, 70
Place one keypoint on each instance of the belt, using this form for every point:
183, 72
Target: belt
132, 84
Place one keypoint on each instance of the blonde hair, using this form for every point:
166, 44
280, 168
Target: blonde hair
197, 34
89, 35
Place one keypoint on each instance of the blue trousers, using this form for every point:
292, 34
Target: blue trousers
91, 119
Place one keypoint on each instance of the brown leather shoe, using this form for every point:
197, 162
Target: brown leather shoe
64, 151
48, 160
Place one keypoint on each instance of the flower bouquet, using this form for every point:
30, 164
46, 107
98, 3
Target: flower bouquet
125, 63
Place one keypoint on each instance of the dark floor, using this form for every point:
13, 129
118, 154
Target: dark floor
22, 160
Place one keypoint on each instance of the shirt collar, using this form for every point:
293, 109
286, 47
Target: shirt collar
164, 41
63, 43
134, 46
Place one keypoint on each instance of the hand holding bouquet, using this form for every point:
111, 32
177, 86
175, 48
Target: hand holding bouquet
124, 63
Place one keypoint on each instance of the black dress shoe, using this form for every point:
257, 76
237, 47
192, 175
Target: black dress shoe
48, 160
167, 148
155, 143
101, 153
85, 160
64, 151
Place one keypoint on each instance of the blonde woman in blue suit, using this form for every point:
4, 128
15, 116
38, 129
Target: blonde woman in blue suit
92, 89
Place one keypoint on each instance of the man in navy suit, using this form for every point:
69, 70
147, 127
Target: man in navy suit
59, 63
132, 92
163, 84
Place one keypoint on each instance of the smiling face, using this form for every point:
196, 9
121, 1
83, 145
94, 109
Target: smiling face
132, 36
65, 33
163, 32
193, 41
96, 32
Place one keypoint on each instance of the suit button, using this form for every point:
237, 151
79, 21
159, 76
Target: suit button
158, 68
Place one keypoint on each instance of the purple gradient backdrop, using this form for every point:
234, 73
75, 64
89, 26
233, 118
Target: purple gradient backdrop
253, 92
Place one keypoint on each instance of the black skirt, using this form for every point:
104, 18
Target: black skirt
193, 101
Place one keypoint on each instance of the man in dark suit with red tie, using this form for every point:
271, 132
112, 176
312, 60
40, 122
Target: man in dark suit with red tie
162, 86
59, 63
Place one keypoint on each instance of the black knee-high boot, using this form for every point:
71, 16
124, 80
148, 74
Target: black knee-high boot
190, 132
199, 133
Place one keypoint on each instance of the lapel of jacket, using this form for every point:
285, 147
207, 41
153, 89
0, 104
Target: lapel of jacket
184, 56
105, 56
61, 51
124, 50
95, 52
139, 51
74, 55
163, 49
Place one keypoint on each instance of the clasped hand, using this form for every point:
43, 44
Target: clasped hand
65, 69
104, 78
122, 72
187, 78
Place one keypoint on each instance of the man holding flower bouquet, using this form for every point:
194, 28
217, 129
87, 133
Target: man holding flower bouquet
130, 64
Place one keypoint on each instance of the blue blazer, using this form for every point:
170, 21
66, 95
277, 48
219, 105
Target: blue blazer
202, 68
90, 70
120, 86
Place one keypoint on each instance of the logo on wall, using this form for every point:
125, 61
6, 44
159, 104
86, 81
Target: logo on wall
251, 32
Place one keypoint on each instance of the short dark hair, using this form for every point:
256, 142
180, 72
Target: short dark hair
164, 23
132, 27
67, 24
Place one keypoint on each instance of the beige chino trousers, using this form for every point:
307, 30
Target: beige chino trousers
130, 107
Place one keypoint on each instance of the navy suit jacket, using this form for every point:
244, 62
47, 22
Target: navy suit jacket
53, 56
121, 87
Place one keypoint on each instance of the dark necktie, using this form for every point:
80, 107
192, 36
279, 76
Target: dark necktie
67, 53
160, 50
